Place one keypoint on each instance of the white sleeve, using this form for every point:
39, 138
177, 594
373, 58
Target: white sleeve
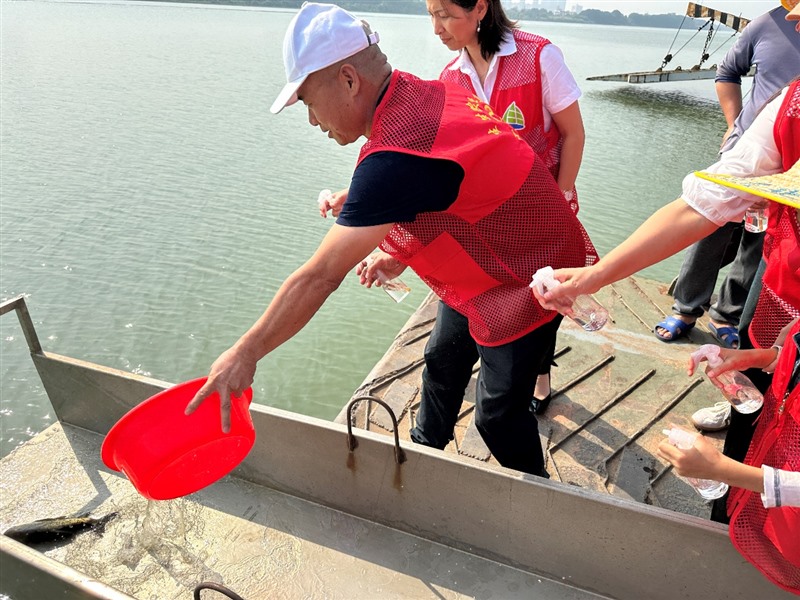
559, 88
781, 488
755, 154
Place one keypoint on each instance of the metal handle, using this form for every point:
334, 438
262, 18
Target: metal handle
210, 585
352, 442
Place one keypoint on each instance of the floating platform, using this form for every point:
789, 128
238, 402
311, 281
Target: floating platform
659, 76
614, 391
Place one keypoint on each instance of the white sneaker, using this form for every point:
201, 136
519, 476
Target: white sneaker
713, 418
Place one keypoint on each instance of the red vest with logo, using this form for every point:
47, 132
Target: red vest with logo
517, 98
508, 220
779, 301
770, 537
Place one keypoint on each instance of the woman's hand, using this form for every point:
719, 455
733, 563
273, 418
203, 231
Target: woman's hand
702, 461
573, 283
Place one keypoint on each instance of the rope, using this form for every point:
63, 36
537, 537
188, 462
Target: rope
668, 57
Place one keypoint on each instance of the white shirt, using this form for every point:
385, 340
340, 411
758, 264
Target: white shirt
781, 488
755, 154
559, 88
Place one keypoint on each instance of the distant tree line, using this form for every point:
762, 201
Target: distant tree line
417, 7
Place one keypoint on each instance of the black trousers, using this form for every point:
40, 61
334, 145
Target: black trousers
503, 397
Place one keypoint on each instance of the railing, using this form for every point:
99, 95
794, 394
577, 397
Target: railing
18, 304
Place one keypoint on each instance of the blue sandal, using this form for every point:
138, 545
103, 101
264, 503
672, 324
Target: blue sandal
727, 336
676, 327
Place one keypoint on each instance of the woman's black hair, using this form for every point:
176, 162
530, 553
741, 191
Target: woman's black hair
495, 25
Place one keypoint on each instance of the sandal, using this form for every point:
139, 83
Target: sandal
728, 335
676, 327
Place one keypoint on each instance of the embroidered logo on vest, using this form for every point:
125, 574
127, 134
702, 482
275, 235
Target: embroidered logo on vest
514, 117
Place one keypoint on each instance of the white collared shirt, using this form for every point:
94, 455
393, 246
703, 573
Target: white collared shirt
559, 88
755, 154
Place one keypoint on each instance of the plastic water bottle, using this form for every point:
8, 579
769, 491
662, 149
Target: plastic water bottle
322, 199
755, 220
707, 488
586, 311
395, 287
736, 387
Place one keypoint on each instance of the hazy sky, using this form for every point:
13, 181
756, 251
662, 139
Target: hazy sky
746, 8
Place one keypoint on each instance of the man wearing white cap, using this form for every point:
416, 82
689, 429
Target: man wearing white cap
447, 188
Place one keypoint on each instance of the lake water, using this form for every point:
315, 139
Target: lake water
151, 206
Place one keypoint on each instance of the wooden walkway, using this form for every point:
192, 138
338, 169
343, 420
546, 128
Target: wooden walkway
614, 391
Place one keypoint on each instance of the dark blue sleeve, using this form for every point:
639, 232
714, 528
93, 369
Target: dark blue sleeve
393, 187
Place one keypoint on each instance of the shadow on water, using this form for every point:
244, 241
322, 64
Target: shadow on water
659, 102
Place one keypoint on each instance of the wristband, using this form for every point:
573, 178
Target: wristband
770, 368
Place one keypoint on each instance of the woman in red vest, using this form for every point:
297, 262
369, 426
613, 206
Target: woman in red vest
525, 80
522, 76
765, 502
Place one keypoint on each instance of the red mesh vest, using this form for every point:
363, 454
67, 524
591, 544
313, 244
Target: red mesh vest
779, 301
509, 219
517, 98
770, 537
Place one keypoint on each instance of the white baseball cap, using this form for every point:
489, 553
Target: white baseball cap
318, 36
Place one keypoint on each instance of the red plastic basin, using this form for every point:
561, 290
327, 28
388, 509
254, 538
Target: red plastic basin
167, 454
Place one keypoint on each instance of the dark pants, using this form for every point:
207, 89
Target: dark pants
503, 397
742, 427
701, 265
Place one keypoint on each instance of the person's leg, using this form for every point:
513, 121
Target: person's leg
698, 274
502, 406
449, 357
735, 289
542, 393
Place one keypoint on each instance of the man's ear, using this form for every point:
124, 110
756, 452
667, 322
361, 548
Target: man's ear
349, 78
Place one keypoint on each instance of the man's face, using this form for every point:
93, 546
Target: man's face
330, 107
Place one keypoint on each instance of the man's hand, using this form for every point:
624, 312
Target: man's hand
367, 269
231, 374
331, 202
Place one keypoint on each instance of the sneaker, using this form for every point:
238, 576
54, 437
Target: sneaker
713, 418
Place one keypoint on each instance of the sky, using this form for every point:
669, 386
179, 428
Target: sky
746, 8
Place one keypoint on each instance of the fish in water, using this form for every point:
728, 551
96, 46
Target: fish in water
57, 529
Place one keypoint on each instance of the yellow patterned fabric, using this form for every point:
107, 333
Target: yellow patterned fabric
781, 187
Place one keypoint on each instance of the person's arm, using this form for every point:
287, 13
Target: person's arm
297, 300
703, 207
741, 360
703, 461
560, 94
730, 101
570, 125
646, 246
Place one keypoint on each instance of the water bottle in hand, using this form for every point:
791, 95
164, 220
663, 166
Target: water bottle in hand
586, 311
707, 488
736, 387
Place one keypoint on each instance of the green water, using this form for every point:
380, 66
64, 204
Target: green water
150, 205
